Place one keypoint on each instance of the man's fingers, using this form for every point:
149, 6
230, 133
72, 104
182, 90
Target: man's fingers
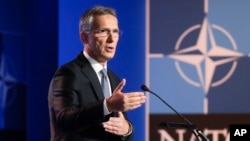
136, 96
135, 100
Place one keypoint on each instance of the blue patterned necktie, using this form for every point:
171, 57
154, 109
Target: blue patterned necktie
105, 84
105, 87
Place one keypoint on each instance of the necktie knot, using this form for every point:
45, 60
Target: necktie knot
104, 72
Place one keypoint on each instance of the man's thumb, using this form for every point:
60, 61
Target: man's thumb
120, 85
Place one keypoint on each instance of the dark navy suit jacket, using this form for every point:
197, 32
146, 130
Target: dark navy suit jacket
76, 103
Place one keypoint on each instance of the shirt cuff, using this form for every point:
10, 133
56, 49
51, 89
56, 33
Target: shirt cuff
105, 108
124, 137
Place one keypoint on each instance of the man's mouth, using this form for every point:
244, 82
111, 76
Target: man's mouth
109, 49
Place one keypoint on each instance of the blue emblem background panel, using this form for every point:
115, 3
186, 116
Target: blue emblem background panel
168, 20
233, 95
198, 56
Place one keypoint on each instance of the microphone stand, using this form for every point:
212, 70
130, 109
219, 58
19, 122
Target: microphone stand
189, 125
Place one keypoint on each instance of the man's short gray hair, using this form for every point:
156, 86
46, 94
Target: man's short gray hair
86, 19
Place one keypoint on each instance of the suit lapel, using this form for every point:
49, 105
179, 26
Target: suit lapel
113, 81
89, 72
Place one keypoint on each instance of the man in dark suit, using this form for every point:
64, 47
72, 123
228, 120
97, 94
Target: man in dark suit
80, 110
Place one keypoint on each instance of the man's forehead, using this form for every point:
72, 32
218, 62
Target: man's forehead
105, 21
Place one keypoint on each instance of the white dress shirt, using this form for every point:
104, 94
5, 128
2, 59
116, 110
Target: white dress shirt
98, 67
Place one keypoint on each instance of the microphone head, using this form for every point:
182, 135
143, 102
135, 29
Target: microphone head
144, 88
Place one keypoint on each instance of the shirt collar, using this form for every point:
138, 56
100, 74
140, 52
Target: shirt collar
95, 65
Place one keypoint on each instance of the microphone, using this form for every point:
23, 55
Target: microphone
145, 88
189, 125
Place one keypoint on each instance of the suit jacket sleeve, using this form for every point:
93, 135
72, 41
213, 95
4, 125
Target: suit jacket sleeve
75, 107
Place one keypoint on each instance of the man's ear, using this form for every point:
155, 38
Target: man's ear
84, 37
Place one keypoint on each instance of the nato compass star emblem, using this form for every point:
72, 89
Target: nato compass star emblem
6, 82
205, 56
210, 57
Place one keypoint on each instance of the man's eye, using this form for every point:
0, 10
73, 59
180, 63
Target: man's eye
115, 31
103, 31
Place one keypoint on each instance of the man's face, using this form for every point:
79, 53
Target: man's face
103, 38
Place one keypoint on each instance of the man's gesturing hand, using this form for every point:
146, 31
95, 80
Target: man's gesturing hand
117, 125
120, 101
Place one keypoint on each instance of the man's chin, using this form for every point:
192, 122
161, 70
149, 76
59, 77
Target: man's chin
110, 56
